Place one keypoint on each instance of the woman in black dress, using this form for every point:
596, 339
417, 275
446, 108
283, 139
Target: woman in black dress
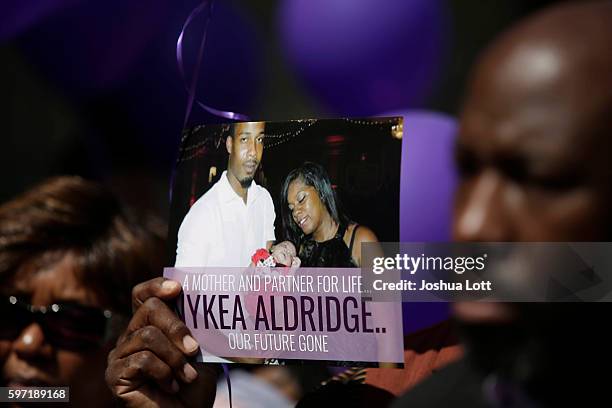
313, 221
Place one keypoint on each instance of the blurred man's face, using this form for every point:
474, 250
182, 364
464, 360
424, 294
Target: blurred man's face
533, 160
534, 165
534, 151
245, 149
31, 358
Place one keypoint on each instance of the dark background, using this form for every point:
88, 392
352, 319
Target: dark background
361, 157
92, 87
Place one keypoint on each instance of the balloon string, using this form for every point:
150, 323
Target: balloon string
205, 6
229, 385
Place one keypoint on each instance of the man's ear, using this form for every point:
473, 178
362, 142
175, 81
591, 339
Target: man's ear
229, 142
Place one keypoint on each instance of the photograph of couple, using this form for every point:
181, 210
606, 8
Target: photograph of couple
307, 192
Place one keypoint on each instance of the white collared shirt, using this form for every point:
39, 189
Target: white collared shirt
221, 230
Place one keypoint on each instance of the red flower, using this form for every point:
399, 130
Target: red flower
260, 255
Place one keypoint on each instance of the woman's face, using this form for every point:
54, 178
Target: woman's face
31, 359
307, 209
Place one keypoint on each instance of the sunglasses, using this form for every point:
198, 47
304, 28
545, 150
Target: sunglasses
69, 326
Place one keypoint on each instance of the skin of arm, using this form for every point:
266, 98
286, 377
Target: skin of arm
363, 235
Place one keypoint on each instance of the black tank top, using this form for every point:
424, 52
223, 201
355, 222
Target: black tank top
332, 253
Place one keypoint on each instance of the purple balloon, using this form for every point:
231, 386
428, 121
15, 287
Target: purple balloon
230, 75
17, 16
428, 182
361, 57
92, 46
428, 177
122, 55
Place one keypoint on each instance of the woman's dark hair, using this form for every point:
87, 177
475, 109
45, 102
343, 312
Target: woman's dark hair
314, 175
113, 248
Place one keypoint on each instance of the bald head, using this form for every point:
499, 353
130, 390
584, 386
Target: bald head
534, 145
557, 62
568, 45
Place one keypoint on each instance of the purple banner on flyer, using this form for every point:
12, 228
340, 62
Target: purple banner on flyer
261, 314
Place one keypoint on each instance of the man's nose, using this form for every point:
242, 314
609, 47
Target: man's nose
481, 214
31, 342
251, 148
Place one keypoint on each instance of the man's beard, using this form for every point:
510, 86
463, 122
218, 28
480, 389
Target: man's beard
246, 182
543, 350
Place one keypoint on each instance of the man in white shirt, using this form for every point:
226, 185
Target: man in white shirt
236, 216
